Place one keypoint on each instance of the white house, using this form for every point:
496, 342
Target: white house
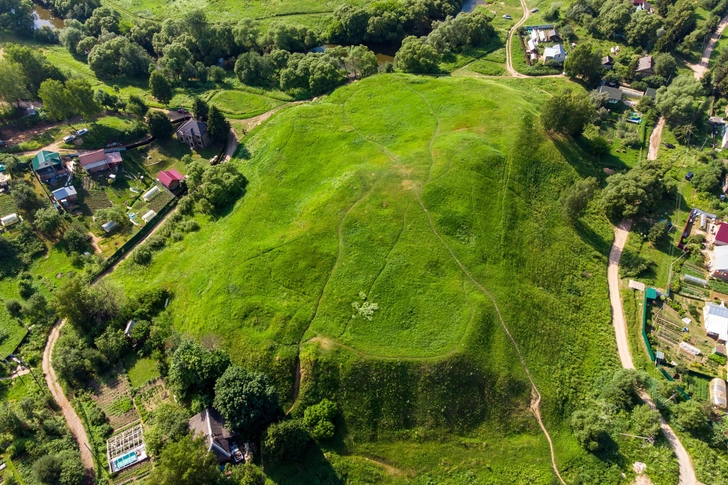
556, 52
715, 320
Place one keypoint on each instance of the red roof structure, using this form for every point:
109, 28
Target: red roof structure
721, 237
170, 178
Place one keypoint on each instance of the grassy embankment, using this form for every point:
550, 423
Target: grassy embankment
337, 208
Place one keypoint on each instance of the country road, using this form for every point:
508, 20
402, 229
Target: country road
655, 139
700, 69
509, 52
621, 232
72, 419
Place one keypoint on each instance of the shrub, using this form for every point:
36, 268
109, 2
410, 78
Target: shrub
286, 441
142, 256
319, 419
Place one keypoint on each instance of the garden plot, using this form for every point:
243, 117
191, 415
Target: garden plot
155, 203
7, 205
150, 397
113, 396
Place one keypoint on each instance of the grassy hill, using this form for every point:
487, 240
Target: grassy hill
346, 246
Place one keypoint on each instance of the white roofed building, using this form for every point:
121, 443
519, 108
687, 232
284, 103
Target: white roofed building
720, 262
556, 53
715, 321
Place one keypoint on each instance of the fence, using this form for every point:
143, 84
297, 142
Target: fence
136, 238
651, 353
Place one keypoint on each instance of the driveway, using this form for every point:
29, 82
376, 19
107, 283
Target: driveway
621, 232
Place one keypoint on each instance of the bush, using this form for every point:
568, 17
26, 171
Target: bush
285, 441
142, 256
319, 419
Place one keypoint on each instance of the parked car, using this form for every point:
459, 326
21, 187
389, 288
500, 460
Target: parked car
69, 138
214, 160
534, 10
82, 132
181, 110
113, 145
669, 145
507, 17
689, 176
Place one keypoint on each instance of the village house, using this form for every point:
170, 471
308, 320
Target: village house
99, 161
210, 425
645, 66
555, 53
65, 195
715, 320
615, 94
607, 62
721, 237
170, 178
49, 166
194, 133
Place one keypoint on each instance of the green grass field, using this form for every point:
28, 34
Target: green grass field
345, 244
239, 104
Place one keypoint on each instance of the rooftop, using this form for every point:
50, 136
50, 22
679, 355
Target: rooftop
721, 258
211, 425
194, 127
722, 234
166, 177
44, 159
645, 63
64, 192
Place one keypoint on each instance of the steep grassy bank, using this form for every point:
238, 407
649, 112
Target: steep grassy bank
346, 244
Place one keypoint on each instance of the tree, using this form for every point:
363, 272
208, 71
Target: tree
113, 343
216, 74
248, 474
159, 125
137, 107
254, 69
160, 87
217, 125
70, 37
167, 424
614, 15
622, 390
76, 239
645, 421
64, 468
13, 83
691, 417
34, 65
642, 29
658, 232
47, 470
285, 441
710, 179
585, 63
319, 419
589, 428
417, 56
247, 400
37, 310
186, 462
86, 307
176, 59
107, 100
363, 61
200, 108
678, 102
577, 197
567, 113
116, 214
56, 99
665, 65
24, 196
194, 370
118, 56
47, 220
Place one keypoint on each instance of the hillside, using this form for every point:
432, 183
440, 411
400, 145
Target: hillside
346, 246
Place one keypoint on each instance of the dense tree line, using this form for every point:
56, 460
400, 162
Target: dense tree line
637, 192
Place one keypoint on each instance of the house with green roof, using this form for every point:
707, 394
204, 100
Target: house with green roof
48, 165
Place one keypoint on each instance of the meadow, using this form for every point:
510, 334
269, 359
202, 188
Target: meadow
343, 256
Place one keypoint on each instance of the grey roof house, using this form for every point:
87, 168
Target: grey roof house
194, 133
615, 94
211, 426
644, 66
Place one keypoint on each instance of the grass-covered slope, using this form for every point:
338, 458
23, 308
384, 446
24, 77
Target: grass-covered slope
365, 200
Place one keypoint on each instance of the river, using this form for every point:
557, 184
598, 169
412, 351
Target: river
470, 5
44, 18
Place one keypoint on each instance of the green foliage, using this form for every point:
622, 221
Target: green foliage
638, 191
584, 62
319, 419
159, 125
167, 424
118, 56
47, 220
247, 400
464, 30
113, 344
645, 421
589, 428
679, 102
417, 56
76, 239
194, 370
576, 198
186, 462
691, 416
622, 391
567, 113
217, 125
285, 441
710, 180
658, 232
137, 107
200, 108
34, 66
63, 101
719, 359
160, 87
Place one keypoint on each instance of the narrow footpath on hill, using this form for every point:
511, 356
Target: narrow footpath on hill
72, 419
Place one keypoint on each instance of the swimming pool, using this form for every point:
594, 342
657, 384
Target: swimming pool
125, 460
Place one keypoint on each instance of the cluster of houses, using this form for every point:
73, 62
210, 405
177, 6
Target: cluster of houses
544, 34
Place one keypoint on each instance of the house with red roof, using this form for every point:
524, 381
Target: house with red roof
721, 237
98, 161
170, 178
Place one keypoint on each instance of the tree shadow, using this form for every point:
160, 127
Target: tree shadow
312, 468
608, 452
576, 152
591, 237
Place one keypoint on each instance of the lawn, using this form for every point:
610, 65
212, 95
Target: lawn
140, 370
239, 104
108, 129
345, 245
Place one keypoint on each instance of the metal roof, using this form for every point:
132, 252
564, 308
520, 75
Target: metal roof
64, 192
44, 159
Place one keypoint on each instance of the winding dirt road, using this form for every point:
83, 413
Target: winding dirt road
72, 419
621, 232
700, 69
509, 53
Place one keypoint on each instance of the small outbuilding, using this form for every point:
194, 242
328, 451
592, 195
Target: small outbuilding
109, 226
718, 396
607, 62
64, 195
9, 220
149, 216
170, 178
721, 237
150, 194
